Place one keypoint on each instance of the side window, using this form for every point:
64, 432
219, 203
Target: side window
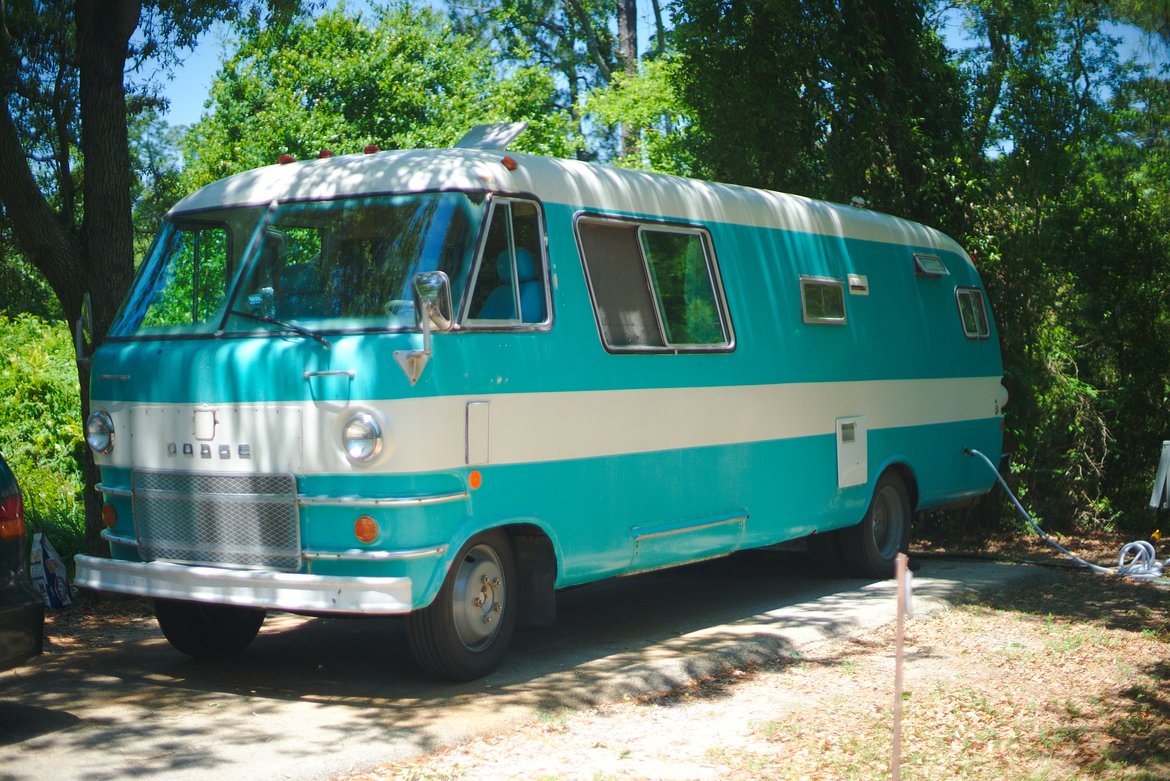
195, 279
822, 300
510, 285
653, 286
973, 312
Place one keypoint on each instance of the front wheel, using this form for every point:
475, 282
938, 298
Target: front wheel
464, 633
207, 631
870, 548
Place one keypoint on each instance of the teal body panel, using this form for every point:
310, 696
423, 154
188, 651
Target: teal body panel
616, 513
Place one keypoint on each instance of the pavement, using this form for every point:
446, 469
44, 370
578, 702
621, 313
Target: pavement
315, 697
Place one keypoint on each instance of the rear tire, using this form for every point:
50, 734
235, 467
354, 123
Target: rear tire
207, 631
870, 548
465, 632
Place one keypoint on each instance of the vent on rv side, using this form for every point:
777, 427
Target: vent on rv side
492, 138
926, 265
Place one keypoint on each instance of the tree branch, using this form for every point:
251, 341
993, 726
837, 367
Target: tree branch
591, 40
40, 235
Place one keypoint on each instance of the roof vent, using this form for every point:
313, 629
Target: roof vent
493, 138
857, 202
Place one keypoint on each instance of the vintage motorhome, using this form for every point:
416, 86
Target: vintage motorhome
447, 383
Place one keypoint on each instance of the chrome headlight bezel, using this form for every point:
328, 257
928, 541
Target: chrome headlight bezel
99, 432
362, 438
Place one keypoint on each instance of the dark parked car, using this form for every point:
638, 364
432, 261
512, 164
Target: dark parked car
22, 611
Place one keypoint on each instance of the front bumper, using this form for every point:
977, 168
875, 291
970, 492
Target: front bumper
247, 588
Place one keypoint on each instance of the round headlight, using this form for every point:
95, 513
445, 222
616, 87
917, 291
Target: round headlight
361, 437
99, 432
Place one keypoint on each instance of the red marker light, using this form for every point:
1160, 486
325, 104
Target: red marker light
286, 159
325, 153
369, 150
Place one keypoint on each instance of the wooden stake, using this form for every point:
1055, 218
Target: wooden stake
900, 574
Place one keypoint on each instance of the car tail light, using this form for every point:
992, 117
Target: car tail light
12, 517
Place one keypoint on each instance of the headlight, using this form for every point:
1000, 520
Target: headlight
99, 432
361, 437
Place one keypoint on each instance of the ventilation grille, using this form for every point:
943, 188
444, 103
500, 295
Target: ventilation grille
234, 520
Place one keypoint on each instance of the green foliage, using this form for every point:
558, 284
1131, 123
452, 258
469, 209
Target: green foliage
40, 425
650, 103
405, 81
23, 288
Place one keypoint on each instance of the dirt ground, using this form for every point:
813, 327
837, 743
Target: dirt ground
1069, 683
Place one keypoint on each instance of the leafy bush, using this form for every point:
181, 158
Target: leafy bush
40, 426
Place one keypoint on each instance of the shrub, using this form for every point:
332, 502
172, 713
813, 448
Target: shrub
40, 426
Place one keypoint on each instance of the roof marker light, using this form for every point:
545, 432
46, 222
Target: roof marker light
286, 159
510, 163
371, 149
325, 153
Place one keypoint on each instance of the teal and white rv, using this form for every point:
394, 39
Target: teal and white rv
447, 383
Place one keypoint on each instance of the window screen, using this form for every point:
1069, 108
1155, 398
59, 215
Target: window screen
654, 287
973, 313
822, 300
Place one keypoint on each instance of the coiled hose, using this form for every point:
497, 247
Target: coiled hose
1137, 560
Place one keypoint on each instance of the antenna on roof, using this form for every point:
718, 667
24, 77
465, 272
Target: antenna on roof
491, 137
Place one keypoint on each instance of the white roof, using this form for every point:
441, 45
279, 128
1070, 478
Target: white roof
586, 186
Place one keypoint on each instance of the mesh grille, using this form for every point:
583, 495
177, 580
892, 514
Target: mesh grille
238, 520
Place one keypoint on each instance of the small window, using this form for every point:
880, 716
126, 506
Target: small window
654, 287
926, 265
973, 313
822, 300
509, 284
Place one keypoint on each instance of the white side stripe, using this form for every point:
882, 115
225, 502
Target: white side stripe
430, 434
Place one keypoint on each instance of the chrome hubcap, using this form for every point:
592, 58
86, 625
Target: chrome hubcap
479, 597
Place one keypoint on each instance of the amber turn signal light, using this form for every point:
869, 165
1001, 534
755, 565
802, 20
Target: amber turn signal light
365, 529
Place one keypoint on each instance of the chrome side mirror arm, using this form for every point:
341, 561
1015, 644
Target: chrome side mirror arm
432, 306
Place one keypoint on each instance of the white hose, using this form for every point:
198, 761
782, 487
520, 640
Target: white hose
1137, 560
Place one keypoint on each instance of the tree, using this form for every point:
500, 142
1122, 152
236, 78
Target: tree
335, 82
569, 38
825, 98
66, 193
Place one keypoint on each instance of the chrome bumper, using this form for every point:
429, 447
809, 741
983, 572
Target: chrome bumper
249, 588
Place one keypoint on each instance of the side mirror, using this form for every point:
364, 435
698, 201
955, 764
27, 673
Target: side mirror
432, 307
432, 300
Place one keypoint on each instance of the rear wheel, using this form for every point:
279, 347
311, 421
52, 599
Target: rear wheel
464, 633
870, 548
207, 631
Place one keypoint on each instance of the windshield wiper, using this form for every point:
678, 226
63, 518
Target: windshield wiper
282, 324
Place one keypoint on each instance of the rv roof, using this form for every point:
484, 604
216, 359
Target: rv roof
582, 185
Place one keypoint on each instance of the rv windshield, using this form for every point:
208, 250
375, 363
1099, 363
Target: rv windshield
321, 265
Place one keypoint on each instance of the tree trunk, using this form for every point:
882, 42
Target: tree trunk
627, 26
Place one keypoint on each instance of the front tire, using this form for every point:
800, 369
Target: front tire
870, 548
465, 632
207, 631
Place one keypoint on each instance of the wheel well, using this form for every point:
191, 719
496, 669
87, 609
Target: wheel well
536, 562
908, 480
